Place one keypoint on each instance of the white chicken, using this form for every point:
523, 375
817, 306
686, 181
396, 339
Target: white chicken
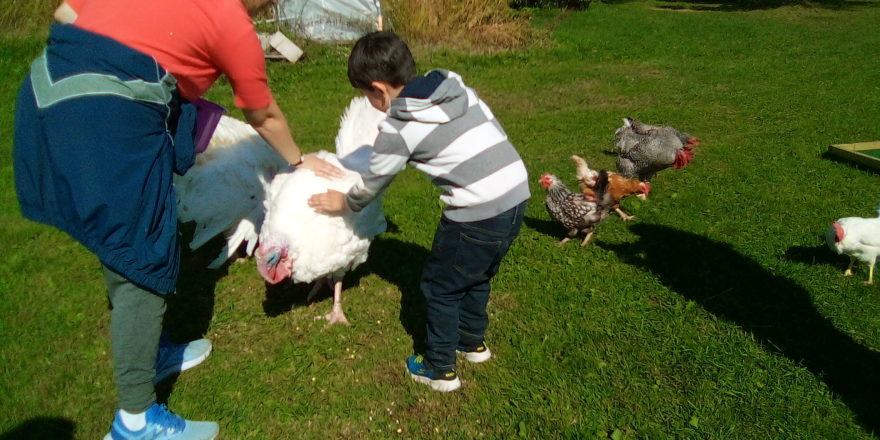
858, 238
300, 244
225, 189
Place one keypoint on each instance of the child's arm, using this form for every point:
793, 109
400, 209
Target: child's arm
389, 158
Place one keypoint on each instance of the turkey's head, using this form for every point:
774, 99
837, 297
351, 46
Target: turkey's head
273, 262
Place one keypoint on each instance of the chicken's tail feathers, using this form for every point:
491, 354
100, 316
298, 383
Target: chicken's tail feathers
582, 170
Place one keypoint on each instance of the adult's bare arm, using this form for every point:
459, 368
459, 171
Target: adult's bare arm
272, 126
65, 14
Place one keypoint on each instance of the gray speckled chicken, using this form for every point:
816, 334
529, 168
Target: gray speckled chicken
578, 213
644, 149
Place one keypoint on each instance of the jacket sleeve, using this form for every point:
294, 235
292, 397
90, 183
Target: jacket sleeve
389, 158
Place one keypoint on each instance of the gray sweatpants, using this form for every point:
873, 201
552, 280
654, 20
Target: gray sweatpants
135, 328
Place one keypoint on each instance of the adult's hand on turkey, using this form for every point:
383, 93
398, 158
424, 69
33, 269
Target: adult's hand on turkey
321, 167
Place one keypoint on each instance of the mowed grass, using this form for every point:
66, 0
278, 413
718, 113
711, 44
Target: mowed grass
717, 314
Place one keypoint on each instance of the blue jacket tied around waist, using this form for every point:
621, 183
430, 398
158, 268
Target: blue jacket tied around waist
99, 130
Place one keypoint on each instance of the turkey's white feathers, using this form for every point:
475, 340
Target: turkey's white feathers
319, 245
225, 189
323, 245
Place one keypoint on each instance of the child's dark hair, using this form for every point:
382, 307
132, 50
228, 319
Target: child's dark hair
380, 56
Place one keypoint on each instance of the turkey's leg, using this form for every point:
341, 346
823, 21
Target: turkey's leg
317, 287
871, 271
336, 315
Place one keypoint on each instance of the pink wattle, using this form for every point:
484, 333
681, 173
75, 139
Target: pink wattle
273, 272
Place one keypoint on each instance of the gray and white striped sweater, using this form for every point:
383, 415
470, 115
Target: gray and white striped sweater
442, 128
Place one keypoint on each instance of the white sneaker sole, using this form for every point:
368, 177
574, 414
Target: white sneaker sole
164, 374
438, 385
475, 357
197, 360
110, 437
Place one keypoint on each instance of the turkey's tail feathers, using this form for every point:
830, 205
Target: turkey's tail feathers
358, 126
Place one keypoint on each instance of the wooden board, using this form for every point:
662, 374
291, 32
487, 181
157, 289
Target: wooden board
864, 153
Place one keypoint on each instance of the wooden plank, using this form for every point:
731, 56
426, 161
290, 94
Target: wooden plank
853, 152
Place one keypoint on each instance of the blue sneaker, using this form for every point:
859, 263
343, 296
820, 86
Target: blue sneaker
174, 358
163, 424
445, 381
477, 354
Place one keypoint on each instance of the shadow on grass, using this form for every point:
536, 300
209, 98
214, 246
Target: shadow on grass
285, 296
401, 263
191, 309
545, 227
42, 428
839, 160
813, 255
777, 311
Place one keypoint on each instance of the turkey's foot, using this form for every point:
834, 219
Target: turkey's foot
336, 316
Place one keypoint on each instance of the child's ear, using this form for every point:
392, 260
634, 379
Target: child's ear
382, 91
379, 87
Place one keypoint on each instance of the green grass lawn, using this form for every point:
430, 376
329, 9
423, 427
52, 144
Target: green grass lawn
718, 313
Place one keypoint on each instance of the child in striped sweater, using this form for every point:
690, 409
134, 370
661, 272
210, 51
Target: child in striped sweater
441, 127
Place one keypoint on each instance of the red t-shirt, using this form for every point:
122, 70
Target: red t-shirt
194, 40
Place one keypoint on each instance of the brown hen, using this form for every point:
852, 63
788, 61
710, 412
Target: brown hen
618, 187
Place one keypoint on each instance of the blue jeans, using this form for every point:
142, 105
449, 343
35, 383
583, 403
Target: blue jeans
455, 281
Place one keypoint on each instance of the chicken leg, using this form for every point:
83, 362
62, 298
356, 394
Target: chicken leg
624, 216
848, 272
586, 239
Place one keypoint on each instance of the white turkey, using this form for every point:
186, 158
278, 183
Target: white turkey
298, 243
858, 238
225, 189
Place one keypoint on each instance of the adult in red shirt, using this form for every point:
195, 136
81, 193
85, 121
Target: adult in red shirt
102, 121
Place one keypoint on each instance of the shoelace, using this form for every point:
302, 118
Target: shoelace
167, 422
